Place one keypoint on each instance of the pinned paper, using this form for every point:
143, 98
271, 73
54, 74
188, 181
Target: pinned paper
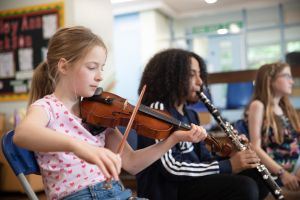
25, 59
49, 25
7, 65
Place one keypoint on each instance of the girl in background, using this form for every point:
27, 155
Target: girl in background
75, 164
274, 124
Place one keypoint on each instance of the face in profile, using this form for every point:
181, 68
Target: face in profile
195, 81
88, 72
283, 83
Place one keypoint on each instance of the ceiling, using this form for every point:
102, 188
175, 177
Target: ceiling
190, 8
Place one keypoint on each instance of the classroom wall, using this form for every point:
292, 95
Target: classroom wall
137, 37
95, 14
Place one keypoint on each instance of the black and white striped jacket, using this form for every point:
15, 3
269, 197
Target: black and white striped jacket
183, 162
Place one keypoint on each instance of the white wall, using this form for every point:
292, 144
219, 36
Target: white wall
155, 33
97, 15
127, 54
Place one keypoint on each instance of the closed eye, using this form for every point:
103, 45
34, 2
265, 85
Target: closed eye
92, 66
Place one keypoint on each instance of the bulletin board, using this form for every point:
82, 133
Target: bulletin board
24, 36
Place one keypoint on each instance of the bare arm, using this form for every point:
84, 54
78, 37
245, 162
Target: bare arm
135, 161
33, 134
255, 121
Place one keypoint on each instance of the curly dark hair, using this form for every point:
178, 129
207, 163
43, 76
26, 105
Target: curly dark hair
167, 76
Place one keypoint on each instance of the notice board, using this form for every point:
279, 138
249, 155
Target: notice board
24, 36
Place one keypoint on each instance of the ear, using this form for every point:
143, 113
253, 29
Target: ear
62, 65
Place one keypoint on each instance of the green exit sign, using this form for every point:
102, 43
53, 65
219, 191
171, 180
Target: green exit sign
232, 27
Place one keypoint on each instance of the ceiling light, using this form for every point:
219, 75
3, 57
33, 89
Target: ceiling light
222, 31
234, 28
119, 1
211, 1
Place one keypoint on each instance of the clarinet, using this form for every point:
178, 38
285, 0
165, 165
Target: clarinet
231, 134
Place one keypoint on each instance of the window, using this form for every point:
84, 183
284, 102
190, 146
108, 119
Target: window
293, 38
263, 47
293, 46
260, 55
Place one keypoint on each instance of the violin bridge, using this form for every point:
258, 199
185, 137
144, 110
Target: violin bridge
125, 104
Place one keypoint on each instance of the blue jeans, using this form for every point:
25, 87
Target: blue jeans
98, 191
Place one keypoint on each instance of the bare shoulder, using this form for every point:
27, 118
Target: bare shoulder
256, 105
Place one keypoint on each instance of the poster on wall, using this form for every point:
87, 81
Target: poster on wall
24, 37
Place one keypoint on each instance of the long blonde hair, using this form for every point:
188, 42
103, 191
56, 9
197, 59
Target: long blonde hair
264, 93
70, 43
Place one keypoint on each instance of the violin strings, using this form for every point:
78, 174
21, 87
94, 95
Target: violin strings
152, 113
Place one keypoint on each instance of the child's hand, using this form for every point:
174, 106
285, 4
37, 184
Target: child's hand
290, 181
242, 160
108, 162
243, 138
196, 134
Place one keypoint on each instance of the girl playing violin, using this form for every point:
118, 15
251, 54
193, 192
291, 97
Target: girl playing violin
188, 171
75, 164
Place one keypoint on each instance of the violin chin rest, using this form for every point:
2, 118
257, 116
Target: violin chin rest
98, 91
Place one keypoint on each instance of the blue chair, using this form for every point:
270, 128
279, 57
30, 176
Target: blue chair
239, 94
242, 127
21, 161
132, 137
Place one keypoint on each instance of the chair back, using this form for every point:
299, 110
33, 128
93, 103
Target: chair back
242, 127
20, 160
239, 94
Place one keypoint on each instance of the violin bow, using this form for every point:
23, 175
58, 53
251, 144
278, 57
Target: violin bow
128, 128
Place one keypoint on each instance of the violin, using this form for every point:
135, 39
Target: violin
108, 110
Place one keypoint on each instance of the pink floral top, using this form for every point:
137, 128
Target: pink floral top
63, 172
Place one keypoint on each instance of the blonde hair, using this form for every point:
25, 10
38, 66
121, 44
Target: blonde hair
263, 92
70, 43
